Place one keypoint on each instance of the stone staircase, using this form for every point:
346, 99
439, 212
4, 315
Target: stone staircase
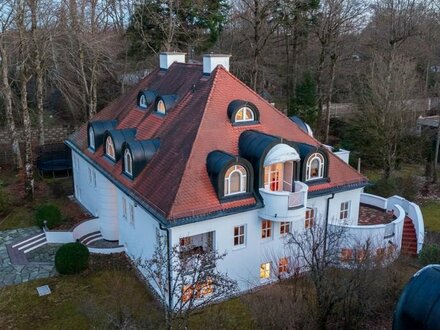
91, 237
409, 240
17, 250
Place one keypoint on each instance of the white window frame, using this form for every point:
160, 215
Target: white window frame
91, 139
344, 212
245, 118
90, 176
320, 158
240, 235
265, 270
128, 162
94, 178
309, 221
109, 143
158, 107
284, 224
266, 232
124, 207
243, 180
269, 174
143, 101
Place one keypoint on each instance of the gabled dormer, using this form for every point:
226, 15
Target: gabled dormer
165, 103
145, 98
314, 164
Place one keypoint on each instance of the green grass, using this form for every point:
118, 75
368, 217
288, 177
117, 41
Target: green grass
431, 215
19, 217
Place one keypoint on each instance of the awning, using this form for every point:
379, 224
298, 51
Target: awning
281, 153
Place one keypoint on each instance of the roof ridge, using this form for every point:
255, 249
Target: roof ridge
208, 99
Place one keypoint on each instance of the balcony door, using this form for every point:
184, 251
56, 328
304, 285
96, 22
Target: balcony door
279, 176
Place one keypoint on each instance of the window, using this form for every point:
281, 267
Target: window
91, 138
346, 254
283, 266
90, 176
110, 148
128, 162
266, 229
265, 271
235, 180
160, 108
124, 208
344, 214
94, 178
185, 241
315, 167
310, 218
132, 215
244, 114
239, 236
284, 228
198, 290
273, 177
142, 101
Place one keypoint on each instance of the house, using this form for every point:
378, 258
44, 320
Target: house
193, 153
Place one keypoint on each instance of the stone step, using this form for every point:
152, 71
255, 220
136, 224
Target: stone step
35, 246
86, 237
28, 240
32, 243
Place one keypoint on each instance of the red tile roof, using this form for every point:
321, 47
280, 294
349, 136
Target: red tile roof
175, 182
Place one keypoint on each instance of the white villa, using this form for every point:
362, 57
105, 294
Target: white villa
194, 154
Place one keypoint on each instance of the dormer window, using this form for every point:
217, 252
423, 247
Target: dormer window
315, 167
235, 180
143, 101
145, 98
110, 148
91, 139
128, 162
244, 114
160, 107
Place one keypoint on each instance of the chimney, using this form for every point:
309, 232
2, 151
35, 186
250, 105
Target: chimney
210, 62
168, 58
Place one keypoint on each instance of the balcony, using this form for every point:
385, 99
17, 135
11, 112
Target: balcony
284, 205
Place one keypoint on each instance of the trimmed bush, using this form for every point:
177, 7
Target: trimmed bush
50, 213
430, 254
71, 258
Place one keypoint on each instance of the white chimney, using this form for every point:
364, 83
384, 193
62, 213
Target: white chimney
210, 62
168, 58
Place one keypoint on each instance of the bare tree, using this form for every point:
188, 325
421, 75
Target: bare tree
185, 279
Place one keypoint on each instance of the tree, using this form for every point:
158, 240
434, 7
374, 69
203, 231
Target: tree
304, 103
185, 279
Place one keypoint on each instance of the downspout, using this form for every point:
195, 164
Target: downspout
170, 296
326, 225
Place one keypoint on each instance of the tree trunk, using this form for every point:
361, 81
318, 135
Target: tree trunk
436, 155
7, 94
329, 96
319, 90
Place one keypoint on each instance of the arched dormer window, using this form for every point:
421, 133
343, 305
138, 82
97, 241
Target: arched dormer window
160, 107
315, 167
244, 114
91, 139
142, 101
110, 148
128, 162
235, 180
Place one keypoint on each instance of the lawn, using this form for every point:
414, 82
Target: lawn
431, 215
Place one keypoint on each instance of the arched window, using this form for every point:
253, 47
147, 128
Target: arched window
142, 101
128, 162
91, 138
160, 108
315, 167
110, 148
235, 180
244, 114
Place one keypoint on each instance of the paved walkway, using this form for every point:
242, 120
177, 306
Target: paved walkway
41, 263
369, 215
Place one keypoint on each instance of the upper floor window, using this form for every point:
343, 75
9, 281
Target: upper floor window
128, 162
239, 236
284, 228
235, 180
110, 148
344, 213
91, 138
315, 167
143, 101
266, 229
310, 218
160, 107
244, 114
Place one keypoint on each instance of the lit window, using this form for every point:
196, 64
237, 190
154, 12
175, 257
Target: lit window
273, 177
265, 270
283, 265
244, 114
198, 290
185, 241
132, 215
160, 108
124, 208
142, 101
110, 148
315, 167
128, 162
344, 214
284, 228
310, 218
239, 235
346, 254
266, 229
235, 180
91, 138
187, 293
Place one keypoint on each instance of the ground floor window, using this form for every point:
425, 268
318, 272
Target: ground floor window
283, 265
346, 254
344, 213
198, 290
284, 228
265, 270
310, 218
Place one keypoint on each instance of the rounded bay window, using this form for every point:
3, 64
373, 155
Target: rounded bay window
315, 163
231, 176
243, 113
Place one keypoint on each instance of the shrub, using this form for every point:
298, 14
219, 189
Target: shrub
71, 258
430, 254
5, 202
50, 213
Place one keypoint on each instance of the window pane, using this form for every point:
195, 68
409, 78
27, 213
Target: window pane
239, 115
235, 182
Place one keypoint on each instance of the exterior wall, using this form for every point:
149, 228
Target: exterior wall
335, 206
